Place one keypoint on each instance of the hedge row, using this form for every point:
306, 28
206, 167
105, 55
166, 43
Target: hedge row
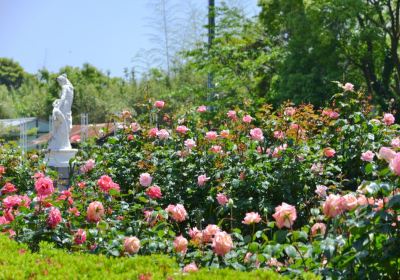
17, 262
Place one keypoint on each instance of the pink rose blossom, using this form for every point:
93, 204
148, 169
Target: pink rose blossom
153, 132
135, 127
196, 235
44, 186
247, 119
177, 212
154, 192
333, 205
88, 166
131, 245
224, 134
190, 143
11, 201
318, 228
232, 115
285, 215
95, 211
251, 218
348, 87
289, 111
329, 152
367, 156
211, 135
80, 237
192, 267
202, 179
202, 109
222, 243
8, 188
2, 170
209, 232
256, 134
279, 135
163, 134
222, 199
159, 104
350, 202
216, 149
395, 164
54, 217
321, 191
182, 129
386, 153
145, 179
106, 184
395, 143
38, 175
180, 244
388, 119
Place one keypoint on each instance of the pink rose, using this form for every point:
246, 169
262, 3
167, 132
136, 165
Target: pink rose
367, 156
154, 192
88, 166
177, 212
211, 135
153, 132
333, 205
285, 215
256, 134
180, 244
196, 235
318, 228
95, 211
159, 104
11, 201
222, 243
350, 202
80, 236
247, 119
209, 232
190, 143
54, 217
329, 152
8, 188
192, 267
202, 179
395, 142
289, 111
348, 87
224, 133
106, 184
44, 186
321, 191
182, 129
131, 244
222, 199
232, 115
216, 149
279, 135
202, 109
251, 218
135, 127
395, 164
2, 170
386, 154
388, 119
145, 179
163, 134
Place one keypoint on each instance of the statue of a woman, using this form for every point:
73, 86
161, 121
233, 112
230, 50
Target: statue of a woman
62, 117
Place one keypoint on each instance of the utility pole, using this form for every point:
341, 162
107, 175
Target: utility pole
211, 35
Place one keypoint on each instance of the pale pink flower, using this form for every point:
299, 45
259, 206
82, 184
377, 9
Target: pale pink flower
192, 267
362, 200
224, 133
222, 243
177, 212
388, 119
153, 132
80, 236
256, 134
131, 245
202, 179
222, 199
180, 244
209, 232
395, 164
333, 205
44, 186
367, 156
317, 168
285, 215
95, 211
196, 235
329, 152
154, 192
318, 228
321, 191
11, 201
350, 202
216, 149
232, 115
135, 127
190, 143
395, 143
88, 166
211, 135
54, 217
247, 119
348, 87
163, 134
289, 111
159, 104
202, 109
8, 188
182, 129
251, 218
278, 134
145, 179
106, 184
386, 153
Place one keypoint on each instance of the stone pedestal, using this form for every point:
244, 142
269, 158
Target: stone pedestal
60, 158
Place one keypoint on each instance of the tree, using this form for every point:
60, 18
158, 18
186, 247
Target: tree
11, 73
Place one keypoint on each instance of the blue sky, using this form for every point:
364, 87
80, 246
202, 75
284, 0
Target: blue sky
105, 33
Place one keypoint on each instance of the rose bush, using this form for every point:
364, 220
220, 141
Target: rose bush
293, 190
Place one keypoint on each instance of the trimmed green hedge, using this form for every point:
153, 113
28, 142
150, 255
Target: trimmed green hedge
17, 262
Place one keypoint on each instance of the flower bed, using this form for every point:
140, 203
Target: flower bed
290, 190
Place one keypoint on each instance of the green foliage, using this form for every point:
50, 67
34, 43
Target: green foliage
11, 73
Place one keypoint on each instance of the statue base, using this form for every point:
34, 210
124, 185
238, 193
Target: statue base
60, 158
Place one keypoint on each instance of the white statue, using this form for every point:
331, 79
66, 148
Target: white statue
59, 148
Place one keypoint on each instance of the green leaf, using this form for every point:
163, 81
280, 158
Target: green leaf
291, 251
